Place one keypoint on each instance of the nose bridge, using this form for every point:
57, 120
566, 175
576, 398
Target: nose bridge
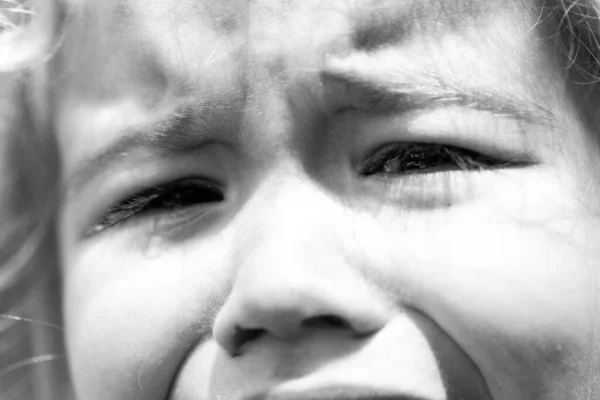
290, 206
292, 273
290, 231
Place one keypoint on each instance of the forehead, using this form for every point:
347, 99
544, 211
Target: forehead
119, 45
124, 61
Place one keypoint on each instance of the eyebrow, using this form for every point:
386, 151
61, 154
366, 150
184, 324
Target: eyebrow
354, 90
181, 131
185, 129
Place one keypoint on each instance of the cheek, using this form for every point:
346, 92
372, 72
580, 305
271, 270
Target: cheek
527, 288
115, 334
523, 309
513, 280
519, 300
131, 320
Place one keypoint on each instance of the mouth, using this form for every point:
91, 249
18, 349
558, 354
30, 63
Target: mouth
336, 393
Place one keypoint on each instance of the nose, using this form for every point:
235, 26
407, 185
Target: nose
296, 279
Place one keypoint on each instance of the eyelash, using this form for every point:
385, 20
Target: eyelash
389, 159
414, 158
173, 196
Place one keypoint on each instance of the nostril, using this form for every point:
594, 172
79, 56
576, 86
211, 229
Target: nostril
242, 336
326, 321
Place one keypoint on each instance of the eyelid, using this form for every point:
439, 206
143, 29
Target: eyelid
133, 205
481, 132
390, 151
82, 209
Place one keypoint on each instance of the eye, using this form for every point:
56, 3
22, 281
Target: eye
172, 196
411, 158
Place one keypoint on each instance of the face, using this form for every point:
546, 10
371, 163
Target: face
324, 199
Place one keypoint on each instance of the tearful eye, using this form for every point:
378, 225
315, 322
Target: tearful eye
172, 196
410, 158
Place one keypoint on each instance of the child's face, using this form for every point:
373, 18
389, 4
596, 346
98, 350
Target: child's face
324, 199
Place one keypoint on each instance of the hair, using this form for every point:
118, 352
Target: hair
30, 32
28, 176
575, 25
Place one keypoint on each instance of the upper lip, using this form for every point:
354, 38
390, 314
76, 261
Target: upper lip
334, 393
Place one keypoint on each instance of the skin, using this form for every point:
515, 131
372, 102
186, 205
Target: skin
308, 276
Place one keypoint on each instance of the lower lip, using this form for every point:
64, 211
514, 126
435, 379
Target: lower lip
336, 393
